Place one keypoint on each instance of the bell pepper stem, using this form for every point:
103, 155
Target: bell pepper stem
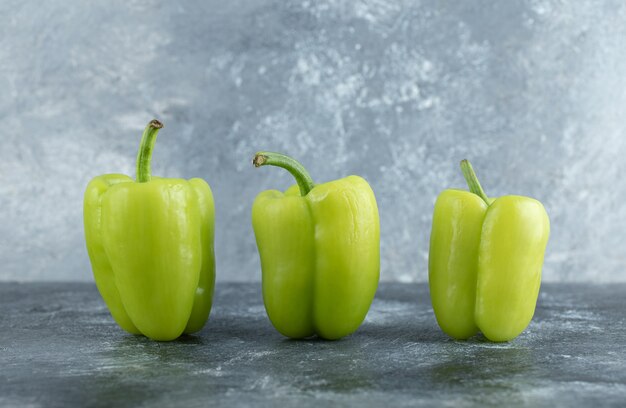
144, 156
472, 180
297, 170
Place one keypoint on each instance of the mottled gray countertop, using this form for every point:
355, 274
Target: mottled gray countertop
60, 348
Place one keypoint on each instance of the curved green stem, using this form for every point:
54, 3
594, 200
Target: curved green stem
304, 180
145, 150
472, 180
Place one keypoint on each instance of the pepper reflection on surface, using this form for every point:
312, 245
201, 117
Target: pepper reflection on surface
488, 368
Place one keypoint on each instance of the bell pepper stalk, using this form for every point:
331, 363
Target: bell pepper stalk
319, 246
485, 261
150, 243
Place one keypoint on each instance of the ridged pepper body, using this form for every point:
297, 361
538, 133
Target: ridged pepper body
485, 263
151, 250
320, 256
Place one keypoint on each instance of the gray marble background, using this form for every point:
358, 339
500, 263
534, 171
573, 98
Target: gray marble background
533, 92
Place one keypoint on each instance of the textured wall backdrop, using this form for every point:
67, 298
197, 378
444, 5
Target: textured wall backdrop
533, 92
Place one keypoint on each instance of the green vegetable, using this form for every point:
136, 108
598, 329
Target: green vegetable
150, 243
485, 261
320, 252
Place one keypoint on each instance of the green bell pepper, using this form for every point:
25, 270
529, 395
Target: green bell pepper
320, 252
485, 261
150, 243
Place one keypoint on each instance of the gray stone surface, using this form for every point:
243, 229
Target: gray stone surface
398, 91
60, 348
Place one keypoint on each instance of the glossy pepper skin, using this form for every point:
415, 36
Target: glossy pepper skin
150, 243
320, 252
485, 261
